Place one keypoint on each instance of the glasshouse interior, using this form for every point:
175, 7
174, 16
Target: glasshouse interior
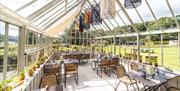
89, 45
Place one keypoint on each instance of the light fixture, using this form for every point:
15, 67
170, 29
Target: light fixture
129, 4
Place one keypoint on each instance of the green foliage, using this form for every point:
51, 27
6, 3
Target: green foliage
22, 73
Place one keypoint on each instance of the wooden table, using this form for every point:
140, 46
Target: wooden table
52, 88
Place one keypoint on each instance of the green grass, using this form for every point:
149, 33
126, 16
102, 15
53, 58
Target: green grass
170, 54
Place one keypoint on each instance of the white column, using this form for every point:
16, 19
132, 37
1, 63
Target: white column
162, 50
138, 47
5, 51
179, 47
21, 49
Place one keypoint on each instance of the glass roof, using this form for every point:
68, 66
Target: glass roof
47, 18
33, 7
14, 4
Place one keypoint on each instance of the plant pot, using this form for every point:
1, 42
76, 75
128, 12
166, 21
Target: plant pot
21, 78
30, 73
38, 66
34, 68
8, 88
150, 63
140, 61
156, 64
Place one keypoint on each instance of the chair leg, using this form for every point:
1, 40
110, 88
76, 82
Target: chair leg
65, 81
127, 87
76, 78
101, 72
133, 87
117, 86
110, 72
137, 86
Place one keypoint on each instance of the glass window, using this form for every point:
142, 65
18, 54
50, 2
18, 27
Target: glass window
2, 33
13, 40
170, 51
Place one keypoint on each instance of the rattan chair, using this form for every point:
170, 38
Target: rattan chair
71, 69
103, 66
124, 78
134, 66
48, 80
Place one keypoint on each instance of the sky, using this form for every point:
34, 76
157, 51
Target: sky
13, 30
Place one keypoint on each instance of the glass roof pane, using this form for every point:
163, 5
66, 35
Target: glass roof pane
144, 12
175, 4
52, 17
56, 16
49, 10
162, 11
70, 3
132, 14
14, 4
33, 7
46, 17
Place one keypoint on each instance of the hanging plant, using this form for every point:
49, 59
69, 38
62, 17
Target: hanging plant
130, 4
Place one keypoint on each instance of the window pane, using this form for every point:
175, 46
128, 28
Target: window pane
13, 39
170, 51
2, 33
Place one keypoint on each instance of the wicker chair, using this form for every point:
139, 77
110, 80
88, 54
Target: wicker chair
103, 65
48, 80
71, 69
124, 78
134, 66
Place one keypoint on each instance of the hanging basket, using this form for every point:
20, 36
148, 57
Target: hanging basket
130, 4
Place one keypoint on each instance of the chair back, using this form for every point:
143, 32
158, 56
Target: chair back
120, 71
48, 80
134, 66
114, 61
51, 70
70, 67
105, 62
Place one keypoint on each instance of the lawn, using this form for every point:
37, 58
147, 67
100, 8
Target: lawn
170, 54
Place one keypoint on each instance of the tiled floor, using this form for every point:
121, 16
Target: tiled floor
90, 81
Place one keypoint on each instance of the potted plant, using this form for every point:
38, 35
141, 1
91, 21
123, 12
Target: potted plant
21, 76
33, 67
38, 64
156, 64
30, 71
1, 87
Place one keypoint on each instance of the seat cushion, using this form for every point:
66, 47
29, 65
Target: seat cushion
71, 72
